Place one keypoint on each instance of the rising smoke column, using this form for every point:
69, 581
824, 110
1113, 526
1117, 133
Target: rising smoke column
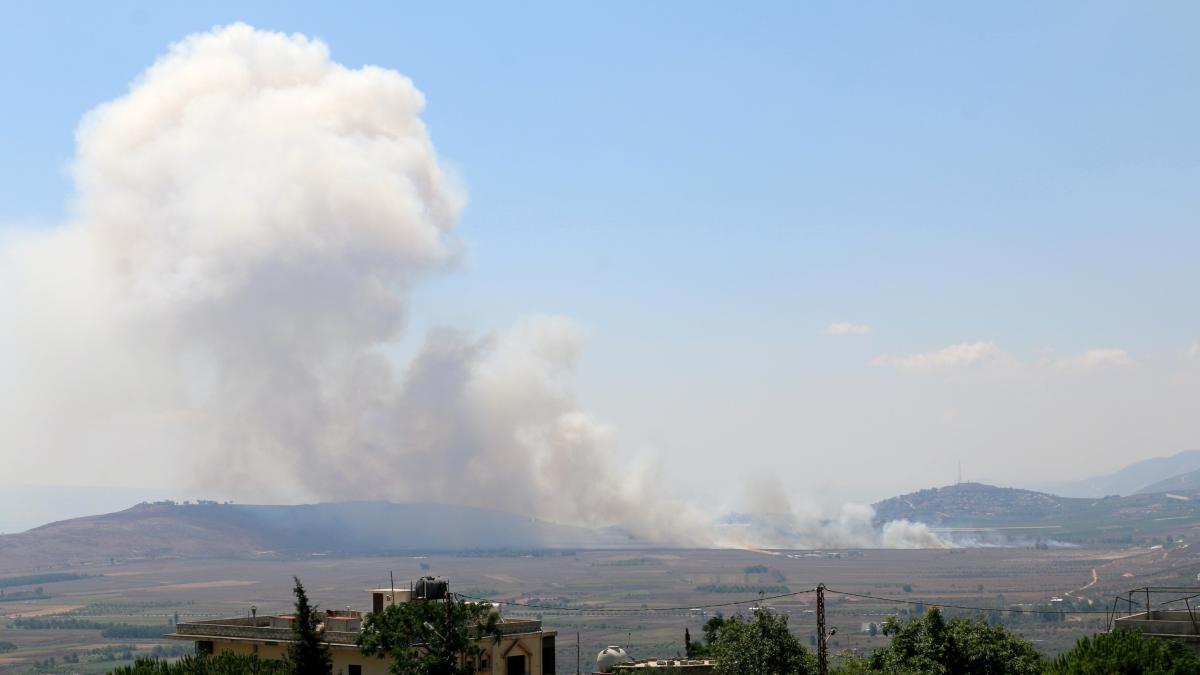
249, 219
248, 222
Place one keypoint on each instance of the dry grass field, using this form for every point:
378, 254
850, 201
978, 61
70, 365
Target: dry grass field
568, 590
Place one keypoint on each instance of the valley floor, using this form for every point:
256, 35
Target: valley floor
566, 590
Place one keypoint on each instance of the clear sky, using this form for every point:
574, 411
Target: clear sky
708, 188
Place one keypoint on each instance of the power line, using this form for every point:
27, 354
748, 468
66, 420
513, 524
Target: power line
899, 601
640, 609
1014, 610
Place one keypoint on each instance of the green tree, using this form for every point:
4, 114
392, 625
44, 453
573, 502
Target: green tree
761, 645
308, 654
1125, 652
698, 648
712, 628
931, 645
431, 638
220, 664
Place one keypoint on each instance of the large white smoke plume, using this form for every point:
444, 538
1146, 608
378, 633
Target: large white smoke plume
248, 222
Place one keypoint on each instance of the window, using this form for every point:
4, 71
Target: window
515, 665
204, 647
354, 670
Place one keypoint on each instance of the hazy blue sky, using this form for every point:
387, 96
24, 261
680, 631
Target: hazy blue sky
706, 188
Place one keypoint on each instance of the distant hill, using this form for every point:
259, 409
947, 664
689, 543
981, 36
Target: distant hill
1127, 481
23, 506
163, 530
1184, 482
971, 503
1014, 513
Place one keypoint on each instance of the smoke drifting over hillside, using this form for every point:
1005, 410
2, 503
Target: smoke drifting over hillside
249, 220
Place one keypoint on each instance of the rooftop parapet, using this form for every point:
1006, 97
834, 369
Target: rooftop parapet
278, 629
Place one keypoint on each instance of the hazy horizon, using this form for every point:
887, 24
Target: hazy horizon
645, 265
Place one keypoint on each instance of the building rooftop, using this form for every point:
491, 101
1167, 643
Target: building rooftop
1181, 624
278, 629
247, 629
1175, 624
341, 626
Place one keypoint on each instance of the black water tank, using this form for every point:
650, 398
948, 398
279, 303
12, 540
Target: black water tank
432, 588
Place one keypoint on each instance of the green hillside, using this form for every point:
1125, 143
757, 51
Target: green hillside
1014, 513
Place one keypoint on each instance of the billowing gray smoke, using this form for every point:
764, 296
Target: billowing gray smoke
250, 218
248, 223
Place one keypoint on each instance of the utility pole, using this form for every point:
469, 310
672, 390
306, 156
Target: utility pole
449, 611
577, 653
822, 648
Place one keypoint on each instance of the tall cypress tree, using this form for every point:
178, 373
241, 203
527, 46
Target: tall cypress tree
308, 653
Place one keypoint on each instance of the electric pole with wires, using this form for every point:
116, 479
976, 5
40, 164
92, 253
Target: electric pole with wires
822, 647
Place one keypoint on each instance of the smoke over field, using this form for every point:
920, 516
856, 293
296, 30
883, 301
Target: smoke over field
248, 223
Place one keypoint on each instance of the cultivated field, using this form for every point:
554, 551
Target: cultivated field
567, 588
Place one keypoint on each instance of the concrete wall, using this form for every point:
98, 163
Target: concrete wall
342, 658
530, 645
1174, 625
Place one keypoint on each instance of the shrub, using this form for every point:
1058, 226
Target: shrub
1127, 652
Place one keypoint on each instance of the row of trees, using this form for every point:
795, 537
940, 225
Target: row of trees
218, 664
931, 645
108, 629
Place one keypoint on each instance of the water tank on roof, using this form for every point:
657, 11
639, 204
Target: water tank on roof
431, 588
609, 657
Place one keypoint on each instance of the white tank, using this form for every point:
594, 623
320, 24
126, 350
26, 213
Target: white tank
609, 657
